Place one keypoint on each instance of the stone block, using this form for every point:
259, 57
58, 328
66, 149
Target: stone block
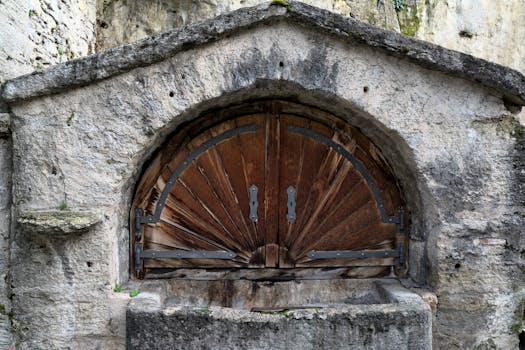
401, 321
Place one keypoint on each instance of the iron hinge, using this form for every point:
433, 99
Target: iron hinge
137, 256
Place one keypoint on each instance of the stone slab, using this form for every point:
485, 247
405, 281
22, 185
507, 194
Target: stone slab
57, 222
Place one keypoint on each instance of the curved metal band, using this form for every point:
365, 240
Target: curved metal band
191, 157
357, 165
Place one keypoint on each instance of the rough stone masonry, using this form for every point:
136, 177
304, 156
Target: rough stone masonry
80, 132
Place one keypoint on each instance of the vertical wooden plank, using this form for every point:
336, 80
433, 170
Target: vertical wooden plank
253, 157
271, 194
292, 163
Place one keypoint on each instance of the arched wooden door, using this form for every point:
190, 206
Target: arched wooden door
280, 187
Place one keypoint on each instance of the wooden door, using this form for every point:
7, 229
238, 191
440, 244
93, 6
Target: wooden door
345, 200
267, 190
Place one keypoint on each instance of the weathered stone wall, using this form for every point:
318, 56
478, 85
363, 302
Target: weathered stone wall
5, 221
36, 34
124, 21
454, 146
33, 35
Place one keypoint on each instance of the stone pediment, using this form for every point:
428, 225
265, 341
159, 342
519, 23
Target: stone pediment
506, 82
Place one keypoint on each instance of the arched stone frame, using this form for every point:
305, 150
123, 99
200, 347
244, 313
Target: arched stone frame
284, 59
390, 143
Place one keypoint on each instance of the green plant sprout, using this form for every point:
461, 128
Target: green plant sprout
118, 288
62, 205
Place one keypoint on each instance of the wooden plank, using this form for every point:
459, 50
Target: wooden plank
292, 163
271, 193
270, 274
308, 160
253, 156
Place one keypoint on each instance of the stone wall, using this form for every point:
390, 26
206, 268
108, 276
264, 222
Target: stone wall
33, 35
5, 222
487, 29
124, 21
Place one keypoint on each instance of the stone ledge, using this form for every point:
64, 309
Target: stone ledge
506, 81
58, 222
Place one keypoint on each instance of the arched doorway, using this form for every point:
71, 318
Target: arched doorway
270, 185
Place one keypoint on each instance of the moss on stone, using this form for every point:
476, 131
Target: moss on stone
410, 25
518, 319
507, 125
409, 17
281, 3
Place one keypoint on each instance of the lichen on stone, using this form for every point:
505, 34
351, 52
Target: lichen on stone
281, 3
409, 18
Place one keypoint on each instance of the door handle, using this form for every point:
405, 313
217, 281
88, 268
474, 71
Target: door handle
290, 191
253, 203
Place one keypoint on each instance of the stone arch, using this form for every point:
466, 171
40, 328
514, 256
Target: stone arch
390, 142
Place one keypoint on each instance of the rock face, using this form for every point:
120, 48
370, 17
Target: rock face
487, 29
37, 34
124, 21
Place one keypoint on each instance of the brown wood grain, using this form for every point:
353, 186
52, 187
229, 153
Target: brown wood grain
271, 193
208, 206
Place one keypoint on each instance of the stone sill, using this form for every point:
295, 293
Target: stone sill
58, 222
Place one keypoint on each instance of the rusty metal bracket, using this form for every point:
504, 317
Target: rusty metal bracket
187, 254
398, 253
